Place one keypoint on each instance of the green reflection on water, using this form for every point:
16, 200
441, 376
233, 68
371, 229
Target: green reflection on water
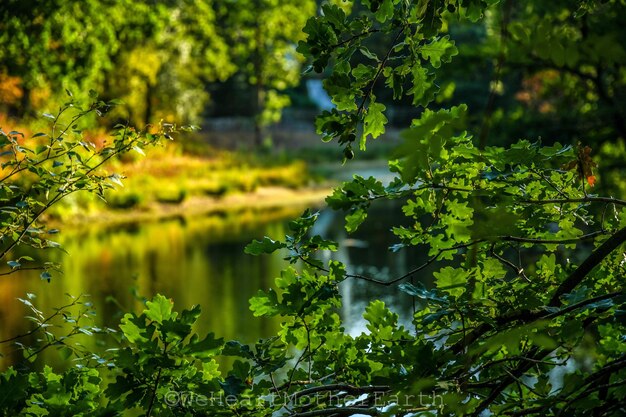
193, 261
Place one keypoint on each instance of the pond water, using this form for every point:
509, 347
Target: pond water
201, 261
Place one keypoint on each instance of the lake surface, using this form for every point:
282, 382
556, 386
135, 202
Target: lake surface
199, 260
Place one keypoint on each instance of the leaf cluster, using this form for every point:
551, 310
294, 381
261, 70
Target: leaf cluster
40, 171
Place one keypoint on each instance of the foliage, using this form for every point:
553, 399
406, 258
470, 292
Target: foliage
39, 172
263, 35
526, 313
537, 69
518, 293
163, 73
570, 68
156, 57
44, 48
159, 58
74, 392
408, 64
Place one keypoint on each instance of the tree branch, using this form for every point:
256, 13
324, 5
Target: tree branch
525, 317
339, 411
357, 36
578, 200
381, 67
41, 324
551, 241
350, 389
593, 260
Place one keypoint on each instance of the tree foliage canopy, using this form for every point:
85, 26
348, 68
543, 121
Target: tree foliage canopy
158, 57
526, 313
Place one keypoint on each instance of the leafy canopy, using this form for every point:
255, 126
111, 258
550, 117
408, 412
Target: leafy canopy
528, 268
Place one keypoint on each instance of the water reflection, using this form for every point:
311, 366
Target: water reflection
366, 252
193, 261
201, 261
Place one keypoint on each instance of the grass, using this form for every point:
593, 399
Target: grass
188, 173
170, 177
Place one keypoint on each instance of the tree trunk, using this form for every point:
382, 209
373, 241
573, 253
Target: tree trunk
25, 106
259, 89
148, 103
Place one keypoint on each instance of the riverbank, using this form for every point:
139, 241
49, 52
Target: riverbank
171, 183
279, 189
261, 199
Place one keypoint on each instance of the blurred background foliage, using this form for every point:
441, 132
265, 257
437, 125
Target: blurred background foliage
543, 71
161, 58
549, 71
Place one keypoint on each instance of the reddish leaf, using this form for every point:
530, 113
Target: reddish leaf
591, 180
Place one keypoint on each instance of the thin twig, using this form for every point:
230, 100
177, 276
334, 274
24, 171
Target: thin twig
357, 36
30, 268
593, 260
381, 67
551, 241
350, 389
587, 199
405, 276
338, 411
41, 324
63, 193
518, 270
156, 383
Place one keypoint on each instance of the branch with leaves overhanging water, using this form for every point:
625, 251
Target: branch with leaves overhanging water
70, 319
80, 174
315, 263
59, 310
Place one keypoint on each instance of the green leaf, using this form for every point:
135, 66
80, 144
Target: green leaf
334, 15
210, 370
423, 87
159, 309
241, 369
368, 54
426, 142
175, 329
354, 219
236, 348
385, 11
374, 122
233, 386
379, 316
133, 327
264, 303
266, 245
452, 280
519, 31
206, 347
340, 89
190, 316
439, 50
116, 179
